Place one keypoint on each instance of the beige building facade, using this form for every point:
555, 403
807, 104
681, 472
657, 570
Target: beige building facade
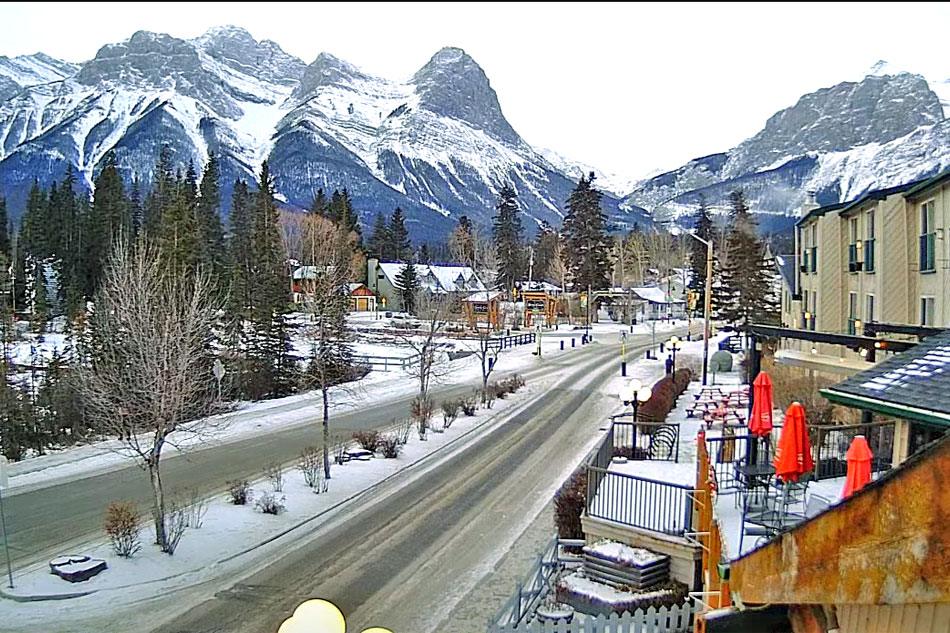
884, 257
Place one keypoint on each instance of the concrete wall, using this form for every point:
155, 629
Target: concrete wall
685, 557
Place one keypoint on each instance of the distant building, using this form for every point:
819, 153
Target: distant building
433, 278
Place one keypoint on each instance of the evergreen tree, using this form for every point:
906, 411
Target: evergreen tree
270, 347
545, 251
400, 248
178, 228
376, 245
34, 223
4, 231
746, 293
341, 211
509, 242
424, 256
211, 254
162, 195
702, 223
39, 313
320, 204
585, 236
239, 250
111, 219
136, 211
408, 285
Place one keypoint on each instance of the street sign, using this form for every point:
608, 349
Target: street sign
218, 369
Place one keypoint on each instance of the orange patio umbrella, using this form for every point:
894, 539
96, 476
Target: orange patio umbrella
760, 422
793, 454
859, 466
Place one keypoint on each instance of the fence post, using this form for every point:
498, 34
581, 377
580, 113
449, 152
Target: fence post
518, 605
562, 345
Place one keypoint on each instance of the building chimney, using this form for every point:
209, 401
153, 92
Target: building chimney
810, 203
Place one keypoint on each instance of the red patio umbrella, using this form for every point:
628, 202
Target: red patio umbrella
760, 422
859, 466
793, 454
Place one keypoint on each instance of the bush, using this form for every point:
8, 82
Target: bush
570, 501
275, 475
270, 504
489, 393
239, 492
368, 440
194, 505
338, 444
310, 463
390, 446
123, 522
403, 429
450, 411
681, 379
176, 522
468, 405
421, 411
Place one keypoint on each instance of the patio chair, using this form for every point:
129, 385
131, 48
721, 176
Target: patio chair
794, 491
816, 505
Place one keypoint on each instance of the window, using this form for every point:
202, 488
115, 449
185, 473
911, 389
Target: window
869, 243
926, 310
853, 252
928, 233
869, 308
852, 312
814, 305
813, 257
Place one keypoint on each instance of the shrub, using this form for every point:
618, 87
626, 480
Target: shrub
570, 502
194, 505
310, 463
681, 378
338, 444
421, 411
468, 405
368, 440
488, 395
403, 429
390, 446
450, 411
270, 504
239, 492
275, 475
122, 525
176, 522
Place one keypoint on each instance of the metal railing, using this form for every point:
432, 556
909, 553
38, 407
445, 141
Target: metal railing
643, 440
658, 506
535, 586
830, 444
504, 342
387, 363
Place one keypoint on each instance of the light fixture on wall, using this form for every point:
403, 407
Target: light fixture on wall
857, 324
863, 352
807, 316
814, 350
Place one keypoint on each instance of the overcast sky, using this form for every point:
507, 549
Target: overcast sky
629, 88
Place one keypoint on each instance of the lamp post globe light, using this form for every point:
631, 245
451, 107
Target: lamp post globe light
632, 394
674, 344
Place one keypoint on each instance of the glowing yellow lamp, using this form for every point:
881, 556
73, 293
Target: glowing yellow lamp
314, 616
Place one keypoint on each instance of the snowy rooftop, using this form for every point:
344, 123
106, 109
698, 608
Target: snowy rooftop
438, 278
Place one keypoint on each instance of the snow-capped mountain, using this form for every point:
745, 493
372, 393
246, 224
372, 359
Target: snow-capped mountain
616, 184
840, 142
436, 145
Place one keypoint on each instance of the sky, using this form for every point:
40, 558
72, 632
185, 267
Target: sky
631, 89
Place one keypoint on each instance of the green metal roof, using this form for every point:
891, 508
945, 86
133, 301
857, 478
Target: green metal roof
927, 183
911, 385
879, 194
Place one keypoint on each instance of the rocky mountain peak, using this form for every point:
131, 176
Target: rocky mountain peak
146, 56
236, 48
326, 70
878, 109
452, 84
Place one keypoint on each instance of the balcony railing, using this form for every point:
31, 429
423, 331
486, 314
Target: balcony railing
658, 506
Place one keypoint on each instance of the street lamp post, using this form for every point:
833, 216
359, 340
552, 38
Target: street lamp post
674, 344
632, 394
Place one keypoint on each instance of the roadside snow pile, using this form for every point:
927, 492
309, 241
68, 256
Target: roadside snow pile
623, 554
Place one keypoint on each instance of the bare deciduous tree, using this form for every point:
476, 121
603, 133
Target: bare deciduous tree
435, 312
328, 250
148, 380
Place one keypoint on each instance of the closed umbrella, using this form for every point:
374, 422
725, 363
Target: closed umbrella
760, 421
793, 454
859, 466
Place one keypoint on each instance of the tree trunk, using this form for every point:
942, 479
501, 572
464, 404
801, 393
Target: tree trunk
158, 498
326, 433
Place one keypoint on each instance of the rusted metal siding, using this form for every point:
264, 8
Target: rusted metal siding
888, 544
898, 618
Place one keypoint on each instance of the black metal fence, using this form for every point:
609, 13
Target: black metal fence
830, 446
504, 342
642, 440
648, 504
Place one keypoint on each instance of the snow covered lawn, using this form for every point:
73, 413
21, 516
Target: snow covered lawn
230, 531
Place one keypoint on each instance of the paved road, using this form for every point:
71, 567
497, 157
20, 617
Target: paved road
406, 560
45, 522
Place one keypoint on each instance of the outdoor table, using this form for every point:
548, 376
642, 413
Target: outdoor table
755, 475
